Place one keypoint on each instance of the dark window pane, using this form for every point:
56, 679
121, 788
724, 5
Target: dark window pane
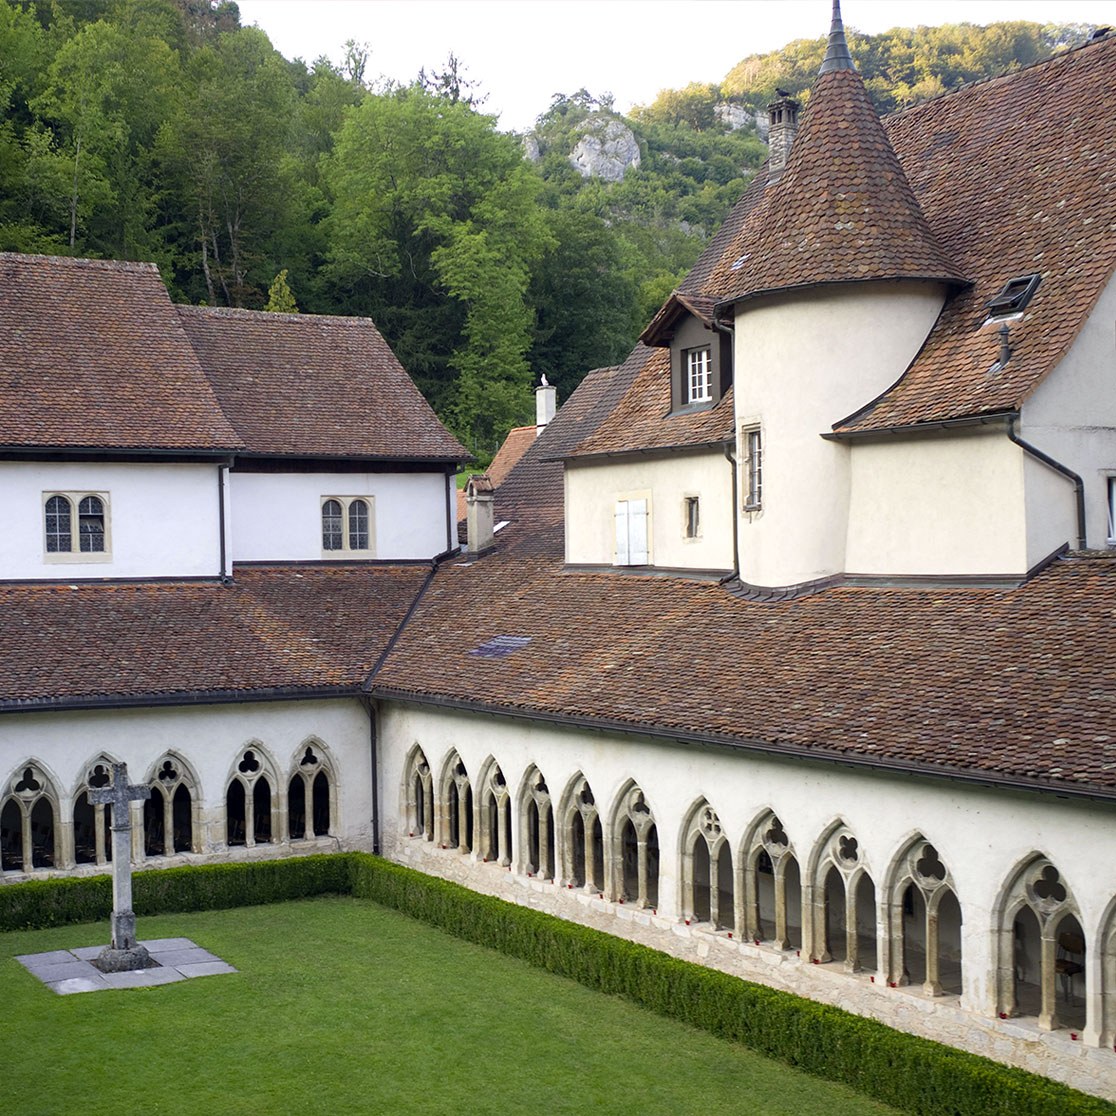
331, 525
58, 539
358, 525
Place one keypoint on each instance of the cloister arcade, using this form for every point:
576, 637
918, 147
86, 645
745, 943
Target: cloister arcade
899, 923
41, 828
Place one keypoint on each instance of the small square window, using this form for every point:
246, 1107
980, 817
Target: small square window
699, 375
691, 510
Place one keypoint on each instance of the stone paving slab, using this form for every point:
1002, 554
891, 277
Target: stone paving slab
70, 971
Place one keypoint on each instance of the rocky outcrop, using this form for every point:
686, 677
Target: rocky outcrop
606, 150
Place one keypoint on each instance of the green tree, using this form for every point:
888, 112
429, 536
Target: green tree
280, 300
434, 232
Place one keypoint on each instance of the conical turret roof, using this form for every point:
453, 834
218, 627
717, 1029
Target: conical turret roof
843, 210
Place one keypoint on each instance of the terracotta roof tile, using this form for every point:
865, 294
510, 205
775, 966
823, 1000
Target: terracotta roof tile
312, 385
843, 210
1007, 683
1016, 175
642, 419
92, 354
311, 627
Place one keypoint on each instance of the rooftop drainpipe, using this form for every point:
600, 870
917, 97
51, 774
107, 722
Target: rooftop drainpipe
730, 455
1058, 467
370, 709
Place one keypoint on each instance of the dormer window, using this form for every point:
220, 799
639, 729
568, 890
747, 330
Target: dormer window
1014, 296
699, 375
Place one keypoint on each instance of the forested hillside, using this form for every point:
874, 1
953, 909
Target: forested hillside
164, 130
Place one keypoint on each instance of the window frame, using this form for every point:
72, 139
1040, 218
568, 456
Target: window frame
751, 440
691, 517
74, 500
626, 500
698, 373
349, 506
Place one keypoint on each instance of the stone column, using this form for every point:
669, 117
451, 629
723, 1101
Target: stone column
852, 939
933, 985
1048, 1015
641, 870
782, 939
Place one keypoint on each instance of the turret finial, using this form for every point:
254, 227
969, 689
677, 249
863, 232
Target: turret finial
837, 57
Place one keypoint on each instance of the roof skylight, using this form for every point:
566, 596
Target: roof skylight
499, 647
1016, 293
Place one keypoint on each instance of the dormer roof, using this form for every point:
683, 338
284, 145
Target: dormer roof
843, 210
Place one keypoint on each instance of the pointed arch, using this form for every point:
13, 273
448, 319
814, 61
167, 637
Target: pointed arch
30, 833
494, 815
924, 920
251, 798
1040, 947
772, 891
418, 795
455, 805
707, 877
92, 824
843, 908
311, 806
634, 849
537, 837
581, 837
172, 815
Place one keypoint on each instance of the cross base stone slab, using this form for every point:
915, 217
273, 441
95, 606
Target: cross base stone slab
111, 960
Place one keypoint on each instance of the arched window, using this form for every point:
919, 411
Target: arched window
249, 802
845, 917
168, 815
347, 525
93, 824
583, 839
1042, 949
537, 837
29, 838
309, 797
772, 886
707, 870
925, 923
495, 817
419, 791
332, 525
60, 510
456, 806
637, 865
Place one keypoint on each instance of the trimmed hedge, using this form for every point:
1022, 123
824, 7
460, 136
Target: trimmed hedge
912, 1074
205, 887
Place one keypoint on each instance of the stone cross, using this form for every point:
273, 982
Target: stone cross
118, 795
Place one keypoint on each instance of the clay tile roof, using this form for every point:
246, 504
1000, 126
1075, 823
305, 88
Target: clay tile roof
993, 683
92, 354
641, 420
843, 210
312, 385
515, 445
305, 628
1016, 175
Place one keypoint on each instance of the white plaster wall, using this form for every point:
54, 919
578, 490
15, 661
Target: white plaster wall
1051, 510
938, 505
212, 740
1072, 417
593, 489
162, 519
802, 363
981, 835
278, 516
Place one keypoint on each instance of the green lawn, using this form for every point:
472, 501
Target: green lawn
344, 1006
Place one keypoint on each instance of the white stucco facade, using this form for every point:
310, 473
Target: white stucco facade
206, 742
278, 516
982, 835
160, 520
802, 363
666, 482
938, 505
1072, 417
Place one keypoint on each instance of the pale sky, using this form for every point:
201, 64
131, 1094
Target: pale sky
522, 52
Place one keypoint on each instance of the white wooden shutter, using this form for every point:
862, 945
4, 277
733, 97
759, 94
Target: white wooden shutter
637, 532
622, 532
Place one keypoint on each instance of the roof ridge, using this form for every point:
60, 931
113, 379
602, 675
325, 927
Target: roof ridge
270, 315
81, 261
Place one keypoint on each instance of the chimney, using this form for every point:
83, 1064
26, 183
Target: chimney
782, 116
546, 403
480, 502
